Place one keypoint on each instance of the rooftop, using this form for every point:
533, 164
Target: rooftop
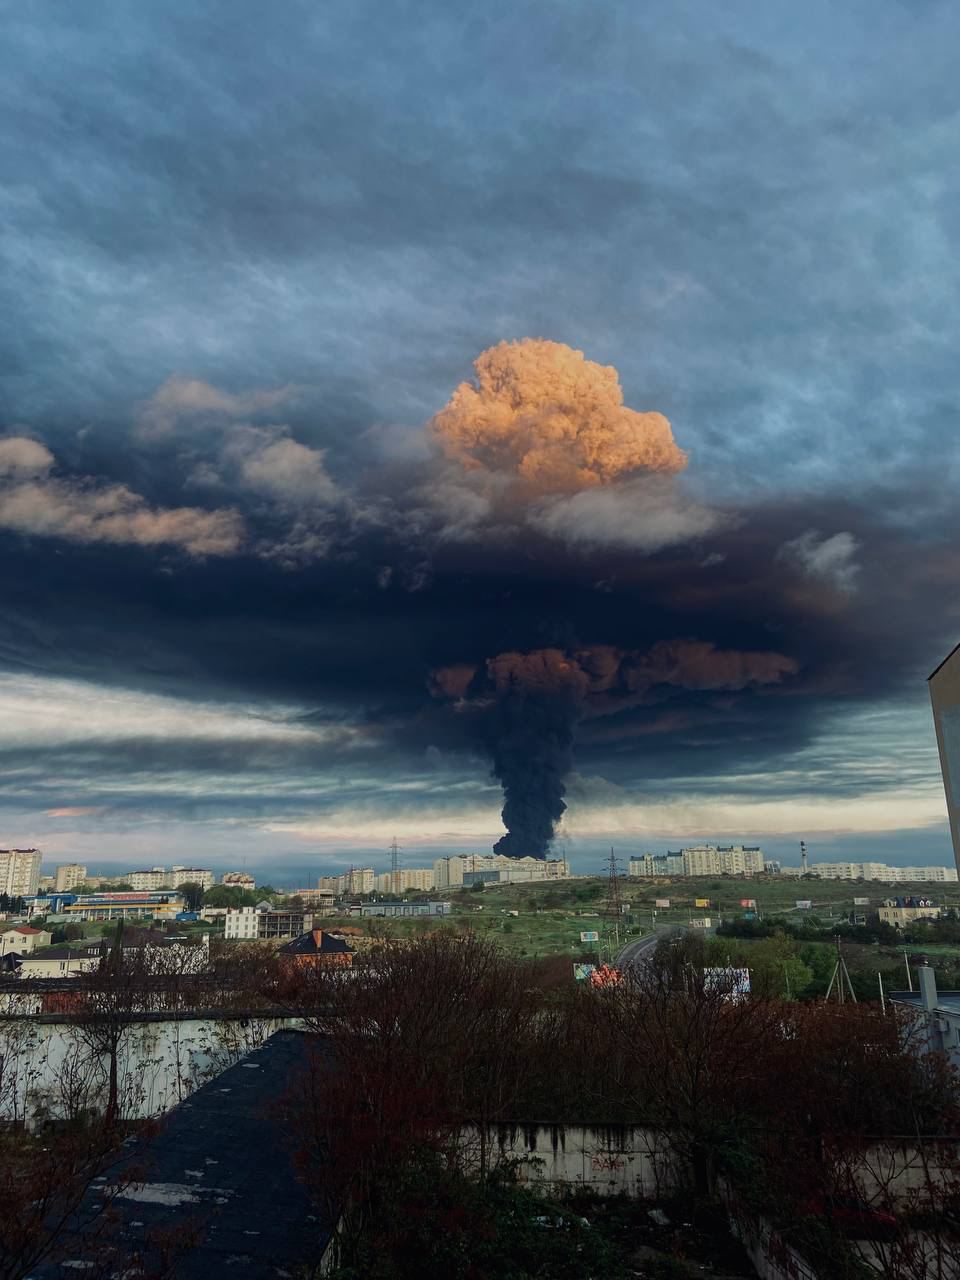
947, 1001
223, 1163
306, 945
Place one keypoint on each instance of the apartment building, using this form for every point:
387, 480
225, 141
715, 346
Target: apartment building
68, 876
145, 881
740, 860
881, 871
19, 872
238, 880
700, 860
407, 879
246, 924
192, 875
449, 873
656, 864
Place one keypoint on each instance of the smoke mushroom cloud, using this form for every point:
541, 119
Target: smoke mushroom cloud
528, 706
538, 581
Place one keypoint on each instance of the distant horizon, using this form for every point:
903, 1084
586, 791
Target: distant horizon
924, 847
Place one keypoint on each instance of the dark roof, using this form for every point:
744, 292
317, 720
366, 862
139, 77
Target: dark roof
305, 945
223, 1163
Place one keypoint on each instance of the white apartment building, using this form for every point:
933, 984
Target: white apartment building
19, 872
880, 871
238, 880
656, 864
740, 860
144, 881
417, 879
700, 860
244, 924
448, 872
356, 880
240, 924
68, 876
192, 875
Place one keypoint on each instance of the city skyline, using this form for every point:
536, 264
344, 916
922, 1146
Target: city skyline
286, 573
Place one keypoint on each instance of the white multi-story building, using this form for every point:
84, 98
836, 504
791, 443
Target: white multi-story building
701, 860
740, 860
238, 880
19, 872
880, 871
244, 924
240, 924
417, 879
356, 880
448, 873
192, 875
69, 875
146, 881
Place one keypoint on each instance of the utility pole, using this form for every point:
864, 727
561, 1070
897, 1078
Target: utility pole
395, 867
841, 976
614, 911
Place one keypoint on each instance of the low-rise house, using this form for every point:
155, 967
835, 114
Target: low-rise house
403, 909
61, 962
318, 948
23, 939
937, 1012
903, 911
161, 954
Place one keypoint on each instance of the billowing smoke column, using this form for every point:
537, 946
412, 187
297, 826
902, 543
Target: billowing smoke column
527, 707
544, 420
538, 699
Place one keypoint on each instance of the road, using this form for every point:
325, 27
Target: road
635, 953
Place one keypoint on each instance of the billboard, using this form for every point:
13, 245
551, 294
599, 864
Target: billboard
748, 902
701, 902
581, 971
861, 902
734, 984
804, 904
590, 935
662, 903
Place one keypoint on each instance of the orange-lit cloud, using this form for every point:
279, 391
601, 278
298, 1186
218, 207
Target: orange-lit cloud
556, 422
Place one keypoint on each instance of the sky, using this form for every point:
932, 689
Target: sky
285, 574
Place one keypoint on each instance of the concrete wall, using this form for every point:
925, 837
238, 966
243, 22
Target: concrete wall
58, 1069
619, 1160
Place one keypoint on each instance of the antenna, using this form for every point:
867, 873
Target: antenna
395, 866
803, 858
